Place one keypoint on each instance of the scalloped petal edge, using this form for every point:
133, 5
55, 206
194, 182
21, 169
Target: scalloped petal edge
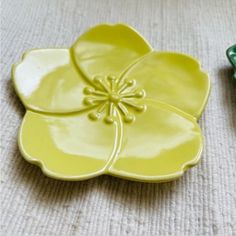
199, 67
45, 170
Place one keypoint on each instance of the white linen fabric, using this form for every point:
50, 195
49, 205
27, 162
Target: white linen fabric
202, 202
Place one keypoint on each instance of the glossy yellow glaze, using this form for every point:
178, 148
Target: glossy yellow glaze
67, 146
165, 142
47, 81
108, 49
111, 105
173, 78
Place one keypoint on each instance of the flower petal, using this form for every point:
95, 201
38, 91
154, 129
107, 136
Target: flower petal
46, 80
70, 147
108, 49
159, 146
173, 78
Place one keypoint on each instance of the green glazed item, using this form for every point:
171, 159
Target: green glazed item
231, 54
112, 105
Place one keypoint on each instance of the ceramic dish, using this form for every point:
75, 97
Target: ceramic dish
112, 105
231, 54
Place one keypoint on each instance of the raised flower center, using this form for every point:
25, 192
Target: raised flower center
110, 97
113, 97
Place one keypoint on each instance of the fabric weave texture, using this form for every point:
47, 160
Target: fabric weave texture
202, 202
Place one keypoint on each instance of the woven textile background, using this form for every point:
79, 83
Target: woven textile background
203, 202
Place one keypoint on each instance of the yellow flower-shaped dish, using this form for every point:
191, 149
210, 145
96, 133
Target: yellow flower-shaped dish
111, 105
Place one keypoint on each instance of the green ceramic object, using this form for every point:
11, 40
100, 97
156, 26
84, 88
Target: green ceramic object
110, 104
231, 54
